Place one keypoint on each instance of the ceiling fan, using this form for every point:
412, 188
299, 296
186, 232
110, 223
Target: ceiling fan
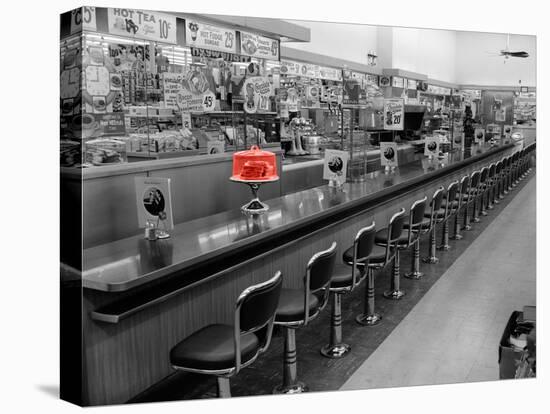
507, 53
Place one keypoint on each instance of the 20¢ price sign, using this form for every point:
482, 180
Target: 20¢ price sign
394, 112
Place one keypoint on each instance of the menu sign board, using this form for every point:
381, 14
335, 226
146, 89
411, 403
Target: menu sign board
143, 24
479, 135
335, 166
431, 148
172, 85
208, 36
257, 91
259, 46
154, 201
83, 18
394, 110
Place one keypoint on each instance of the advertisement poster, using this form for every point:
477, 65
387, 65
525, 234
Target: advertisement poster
154, 201
352, 89
259, 46
129, 57
335, 166
388, 154
431, 148
143, 24
215, 147
500, 114
257, 91
507, 131
394, 110
83, 18
398, 82
186, 120
290, 68
330, 73
197, 93
479, 135
207, 36
292, 100
172, 85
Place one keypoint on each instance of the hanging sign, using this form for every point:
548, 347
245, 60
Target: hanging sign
154, 201
172, 85
142, 24
216, 54
257, 91
83, 18
330, 73
479, 135
259, 46
195, 95
388, 154
431, 148
208, 36
398, 82
394, 110
335, 166
290, 68
411, 84
372, 79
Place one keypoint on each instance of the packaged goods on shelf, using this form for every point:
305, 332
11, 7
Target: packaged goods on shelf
105, 151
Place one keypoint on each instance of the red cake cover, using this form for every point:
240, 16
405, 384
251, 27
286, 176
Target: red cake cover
254, 165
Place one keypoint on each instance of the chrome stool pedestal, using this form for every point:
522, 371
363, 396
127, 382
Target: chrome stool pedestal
369, 317
431, 259
415, 272
395, 293
445, 246
290, 384
335, 348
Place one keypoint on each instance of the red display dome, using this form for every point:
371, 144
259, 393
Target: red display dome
254, 165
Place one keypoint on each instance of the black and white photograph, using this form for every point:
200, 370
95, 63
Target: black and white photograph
252, 201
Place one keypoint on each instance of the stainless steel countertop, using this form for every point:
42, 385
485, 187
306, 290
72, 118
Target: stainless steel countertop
131, 262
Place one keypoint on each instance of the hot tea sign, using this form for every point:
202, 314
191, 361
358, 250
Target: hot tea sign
143, 24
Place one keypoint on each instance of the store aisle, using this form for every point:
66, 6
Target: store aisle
452, 334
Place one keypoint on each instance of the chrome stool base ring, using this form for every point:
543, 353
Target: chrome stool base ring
457, 237
444, 247
477, 220
297, 388
430, 260
368, 320
414, 275
467, 227
484, 213
394, 294
335, 351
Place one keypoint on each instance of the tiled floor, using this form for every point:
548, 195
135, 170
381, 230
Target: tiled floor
452, 334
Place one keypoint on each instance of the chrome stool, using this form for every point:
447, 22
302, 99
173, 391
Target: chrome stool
474, 182
481, 194
503, 177
450, 205
394, 238
345, 280
223, 350
490, 187
462, 201
515, 159
496, 183
417, 225
297, 307
436, 215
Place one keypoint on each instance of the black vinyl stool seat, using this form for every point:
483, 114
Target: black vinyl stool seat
345, 278
393, 240
299, 306
417, 225
223, 350
436, 216
462, 198
450, 208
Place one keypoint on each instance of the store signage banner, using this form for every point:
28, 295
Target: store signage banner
216, 54
257, 91
142, 24
330, 73
388, 154
172, 85
335, 166
431, 147
208, 36
372, 79
259, 46
394, 111
411, 84
289, 67
398, 82
154, 201
83, 18
196, 95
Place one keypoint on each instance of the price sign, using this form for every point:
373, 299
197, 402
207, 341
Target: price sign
208, 36
143, 24
208, 101
394, 111
83, 18
172, 85
186, 120
257, 91
259, 46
